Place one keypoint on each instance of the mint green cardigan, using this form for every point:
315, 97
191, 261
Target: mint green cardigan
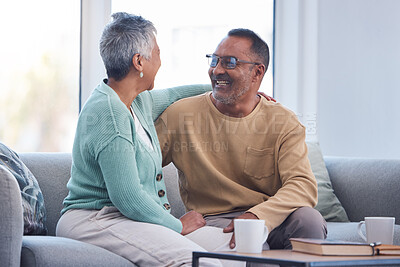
112, 166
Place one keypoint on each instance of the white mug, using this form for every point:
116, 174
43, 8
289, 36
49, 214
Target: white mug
250, 235
378, 229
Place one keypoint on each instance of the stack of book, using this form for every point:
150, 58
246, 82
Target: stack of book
342, 248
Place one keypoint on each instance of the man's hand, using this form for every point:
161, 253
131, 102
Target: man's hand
230, 227
191, 221
269, 98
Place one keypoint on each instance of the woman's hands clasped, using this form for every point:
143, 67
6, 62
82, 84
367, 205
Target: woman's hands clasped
192, 221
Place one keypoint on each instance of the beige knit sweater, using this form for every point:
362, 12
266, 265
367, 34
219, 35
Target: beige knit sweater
257, 163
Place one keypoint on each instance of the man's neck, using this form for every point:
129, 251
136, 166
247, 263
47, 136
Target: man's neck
239, 109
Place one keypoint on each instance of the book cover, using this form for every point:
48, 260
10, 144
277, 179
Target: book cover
332, 247
392, 250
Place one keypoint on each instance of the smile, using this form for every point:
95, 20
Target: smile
221, 83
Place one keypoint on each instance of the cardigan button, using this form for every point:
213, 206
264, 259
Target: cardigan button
161, 193
159, 177
167, 206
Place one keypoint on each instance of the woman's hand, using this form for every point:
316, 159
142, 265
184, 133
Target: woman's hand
191, 221
269, 98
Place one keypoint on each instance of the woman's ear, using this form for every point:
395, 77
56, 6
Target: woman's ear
137, 62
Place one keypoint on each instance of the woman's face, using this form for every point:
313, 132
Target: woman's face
152, 66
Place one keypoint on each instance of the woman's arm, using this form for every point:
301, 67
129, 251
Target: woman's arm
163, 98
124, 187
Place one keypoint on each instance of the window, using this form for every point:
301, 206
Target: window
39, 74
40, 58
187, 31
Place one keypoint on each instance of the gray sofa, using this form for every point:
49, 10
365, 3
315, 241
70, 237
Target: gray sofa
365, 187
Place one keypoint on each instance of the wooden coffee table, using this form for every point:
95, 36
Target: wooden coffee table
290, 258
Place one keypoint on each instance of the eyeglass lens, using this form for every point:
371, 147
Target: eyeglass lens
226, 62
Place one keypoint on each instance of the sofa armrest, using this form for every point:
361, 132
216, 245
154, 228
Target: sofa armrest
366, 187
63, 252
11, 219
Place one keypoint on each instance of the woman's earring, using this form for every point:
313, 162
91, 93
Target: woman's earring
141, 75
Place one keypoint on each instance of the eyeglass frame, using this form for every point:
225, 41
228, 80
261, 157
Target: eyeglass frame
210, 56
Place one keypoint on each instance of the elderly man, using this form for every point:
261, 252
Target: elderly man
242, 156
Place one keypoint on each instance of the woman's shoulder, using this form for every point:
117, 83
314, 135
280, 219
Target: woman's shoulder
104, 115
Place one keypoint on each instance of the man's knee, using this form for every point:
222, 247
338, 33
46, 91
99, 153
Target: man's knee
309, 223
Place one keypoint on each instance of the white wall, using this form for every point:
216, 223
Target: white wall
359, 78
356, 71
296, 58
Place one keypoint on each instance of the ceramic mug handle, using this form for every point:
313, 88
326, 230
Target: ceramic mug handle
360, 232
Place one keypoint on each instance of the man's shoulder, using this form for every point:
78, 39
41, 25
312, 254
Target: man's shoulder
280, 115
277, 109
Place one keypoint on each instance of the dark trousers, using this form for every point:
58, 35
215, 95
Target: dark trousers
304, 222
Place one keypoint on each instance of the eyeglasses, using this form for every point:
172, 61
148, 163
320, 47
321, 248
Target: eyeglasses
227, 62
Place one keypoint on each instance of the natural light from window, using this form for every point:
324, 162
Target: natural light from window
188, 30
40, 54
39, 74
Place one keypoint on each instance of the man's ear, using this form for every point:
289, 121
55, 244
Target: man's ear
137, 62
259, 72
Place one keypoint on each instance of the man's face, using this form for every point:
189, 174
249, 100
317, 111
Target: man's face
229, 85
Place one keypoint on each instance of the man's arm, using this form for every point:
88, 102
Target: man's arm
299, 187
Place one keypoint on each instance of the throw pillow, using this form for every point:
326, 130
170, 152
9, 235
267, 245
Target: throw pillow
328, 204
34, 211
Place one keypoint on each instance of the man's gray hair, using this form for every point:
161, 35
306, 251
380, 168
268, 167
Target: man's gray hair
122, 38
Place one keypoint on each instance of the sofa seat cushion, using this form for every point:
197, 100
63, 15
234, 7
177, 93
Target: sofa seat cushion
348, 232
58, 251
34, 211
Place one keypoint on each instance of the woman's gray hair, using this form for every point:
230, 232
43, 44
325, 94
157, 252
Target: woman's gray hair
122, 38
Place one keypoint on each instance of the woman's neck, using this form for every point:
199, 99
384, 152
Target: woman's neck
127, 89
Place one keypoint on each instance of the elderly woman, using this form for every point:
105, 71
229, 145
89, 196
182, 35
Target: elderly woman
117, 197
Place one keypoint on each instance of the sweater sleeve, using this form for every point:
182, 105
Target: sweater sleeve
124, 187
163, 98
299, 187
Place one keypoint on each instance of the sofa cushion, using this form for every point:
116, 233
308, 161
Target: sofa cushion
349, 232
32, 199
171, 183
328, 204
65, 252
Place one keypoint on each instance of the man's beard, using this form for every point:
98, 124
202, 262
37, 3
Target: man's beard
231, 98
